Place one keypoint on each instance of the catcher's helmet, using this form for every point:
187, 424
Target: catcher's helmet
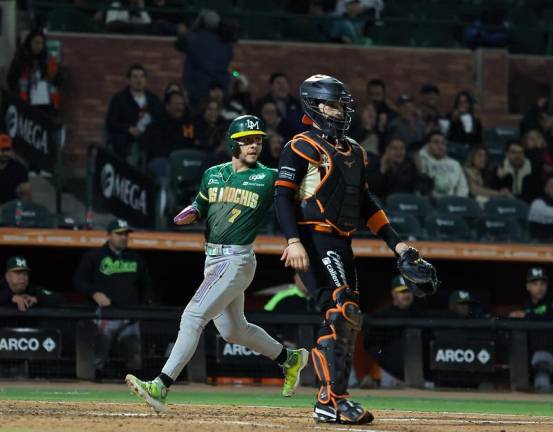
243, 126
324, 88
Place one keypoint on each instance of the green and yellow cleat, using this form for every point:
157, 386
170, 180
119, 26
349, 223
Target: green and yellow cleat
153, 392
292, 367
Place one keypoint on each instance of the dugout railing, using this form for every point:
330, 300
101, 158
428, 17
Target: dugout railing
510, 338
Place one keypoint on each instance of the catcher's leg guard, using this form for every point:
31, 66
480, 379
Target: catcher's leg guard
332, 361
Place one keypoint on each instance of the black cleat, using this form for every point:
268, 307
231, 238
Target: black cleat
349, 412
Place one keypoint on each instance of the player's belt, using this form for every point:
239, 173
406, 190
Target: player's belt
213, 250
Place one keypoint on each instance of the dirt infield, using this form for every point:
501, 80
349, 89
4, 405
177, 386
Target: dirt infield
49, 416
68, 417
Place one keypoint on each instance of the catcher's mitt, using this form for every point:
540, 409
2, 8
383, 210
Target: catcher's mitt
420, 276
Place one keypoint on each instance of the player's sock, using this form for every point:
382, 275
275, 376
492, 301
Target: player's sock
166, 380
282, 357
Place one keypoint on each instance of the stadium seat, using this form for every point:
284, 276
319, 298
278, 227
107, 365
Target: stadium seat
447, 228
457, 151
185, 172
465, 207
507, 207
69, 19
495, 138
301, 29
408, 204
406, 225
31, 215
265, 6
499, 229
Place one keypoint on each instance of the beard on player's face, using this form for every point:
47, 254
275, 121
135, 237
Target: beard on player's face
249, 154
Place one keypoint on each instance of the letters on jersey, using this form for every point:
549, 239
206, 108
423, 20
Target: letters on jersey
233, 195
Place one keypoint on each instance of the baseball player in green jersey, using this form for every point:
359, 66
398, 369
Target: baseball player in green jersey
234, 198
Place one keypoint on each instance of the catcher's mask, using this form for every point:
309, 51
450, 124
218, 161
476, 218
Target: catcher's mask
319, 89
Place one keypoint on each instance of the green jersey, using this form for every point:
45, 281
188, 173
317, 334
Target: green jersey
235, 203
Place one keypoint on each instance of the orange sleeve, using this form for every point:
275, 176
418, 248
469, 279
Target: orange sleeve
287, 184
377, 221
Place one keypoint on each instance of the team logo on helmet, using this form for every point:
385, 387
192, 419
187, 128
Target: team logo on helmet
253, 125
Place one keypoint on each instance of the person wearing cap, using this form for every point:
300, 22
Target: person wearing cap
407, 125
539, 308
12, 172
540, 304
386, 344
16, 288
461, 304
114, 275
447, 173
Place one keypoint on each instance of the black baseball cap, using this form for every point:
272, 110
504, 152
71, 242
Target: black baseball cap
398, 284
16, 263
536, 273
461, 296
118, 226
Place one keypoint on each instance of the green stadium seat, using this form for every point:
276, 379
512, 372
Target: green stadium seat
467, 208
457, 151
32, 215
185, 172
70, 20
497, 137
302, 28
406, 225
507, 207
408, 204
499, 229
265, 6
447, 228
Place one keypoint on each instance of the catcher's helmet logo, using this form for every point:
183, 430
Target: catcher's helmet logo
253, 125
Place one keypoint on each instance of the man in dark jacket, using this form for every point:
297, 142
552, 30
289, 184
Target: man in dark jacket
130, 112
113, 275
386, 344
395, 172
16, 288
172, 130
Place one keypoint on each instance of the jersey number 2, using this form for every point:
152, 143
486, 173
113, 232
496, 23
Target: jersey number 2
235, 213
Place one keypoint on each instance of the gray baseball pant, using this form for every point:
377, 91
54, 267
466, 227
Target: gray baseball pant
220, 297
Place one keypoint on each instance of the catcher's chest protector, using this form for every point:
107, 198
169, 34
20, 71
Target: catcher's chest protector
337, 199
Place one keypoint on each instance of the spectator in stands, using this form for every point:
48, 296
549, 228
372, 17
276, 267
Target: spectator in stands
517, 174
164, 23
539, 308
478, 176
464, 126
407, 125
386, 344
540, 216
114, 275
447, 174
130, 111
274, 122
12, 173
23, 212
34, 75
208, 51
240, 98
351, 18
271, 149
288, 106
396, 172
172, 130
16, 288
368, 130
376, 93
534, 146
538, 117
428, 108
175, 87
210, 129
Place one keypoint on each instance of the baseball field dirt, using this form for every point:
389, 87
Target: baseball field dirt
72, 407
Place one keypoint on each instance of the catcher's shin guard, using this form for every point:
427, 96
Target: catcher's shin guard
332, 355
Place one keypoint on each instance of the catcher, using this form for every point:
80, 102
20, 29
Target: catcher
234, 198
321, 198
